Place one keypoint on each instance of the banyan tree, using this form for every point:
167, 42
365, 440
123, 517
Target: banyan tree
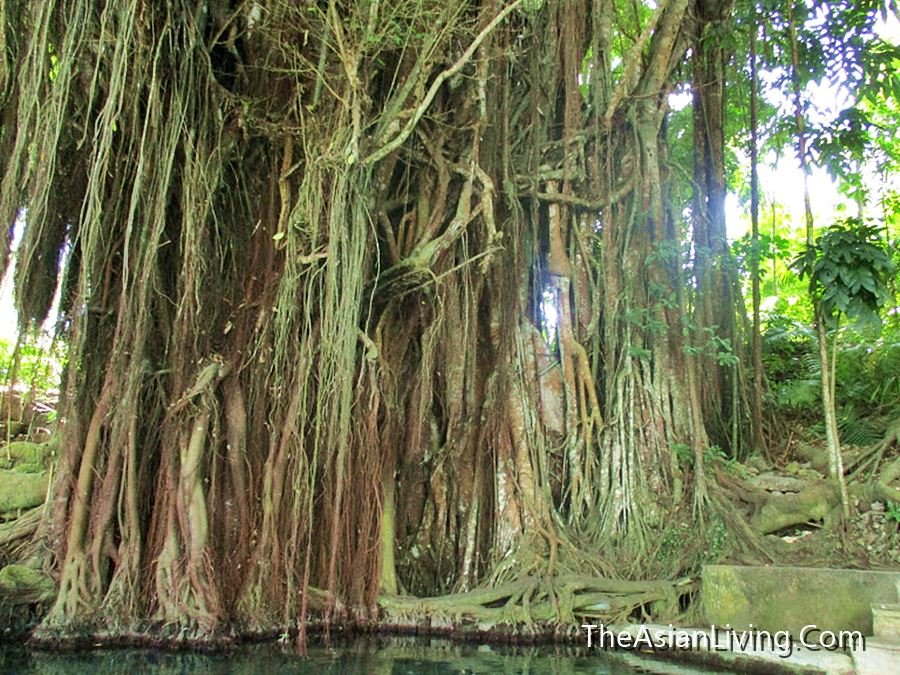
365, 302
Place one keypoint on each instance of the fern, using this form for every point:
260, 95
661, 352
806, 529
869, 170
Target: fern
856, 430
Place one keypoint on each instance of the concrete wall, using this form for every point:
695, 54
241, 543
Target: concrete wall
788, 598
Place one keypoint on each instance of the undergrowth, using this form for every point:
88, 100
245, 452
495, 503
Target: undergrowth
867, 379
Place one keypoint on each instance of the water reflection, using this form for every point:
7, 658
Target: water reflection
382, 656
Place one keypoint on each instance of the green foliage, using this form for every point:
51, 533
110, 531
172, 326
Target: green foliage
39, 368
838, 51
848, 269
867, 376
787, 343
682, 453
722, 348
716, 540
893, 511
869, 370
710, 343
842, 147
857, 429
792, 366
867, 389
712, 454
716, 454
681, 544
671, 544
769, 248
801, 395
785, 304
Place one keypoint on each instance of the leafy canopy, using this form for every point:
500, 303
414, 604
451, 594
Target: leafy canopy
848, 269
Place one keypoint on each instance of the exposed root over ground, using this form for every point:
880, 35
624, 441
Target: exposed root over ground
532, 603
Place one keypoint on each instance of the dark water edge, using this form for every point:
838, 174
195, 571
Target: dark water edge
378, 656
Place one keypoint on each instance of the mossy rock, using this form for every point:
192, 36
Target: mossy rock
26, 452
22, 490
29, 468
757, 462
22, 584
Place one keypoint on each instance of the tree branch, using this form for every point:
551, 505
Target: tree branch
401, 137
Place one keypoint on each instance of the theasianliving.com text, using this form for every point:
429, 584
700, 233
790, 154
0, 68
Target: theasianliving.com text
722, 638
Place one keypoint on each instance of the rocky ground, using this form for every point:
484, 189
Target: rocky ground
871, 538
27, 455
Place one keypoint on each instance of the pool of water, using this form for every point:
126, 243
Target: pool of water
394, 656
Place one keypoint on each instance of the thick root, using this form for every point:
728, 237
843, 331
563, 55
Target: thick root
530, 600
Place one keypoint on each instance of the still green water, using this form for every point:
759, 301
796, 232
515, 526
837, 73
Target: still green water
376, 657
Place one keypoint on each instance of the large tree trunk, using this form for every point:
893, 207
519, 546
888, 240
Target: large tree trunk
716, 298
306, 249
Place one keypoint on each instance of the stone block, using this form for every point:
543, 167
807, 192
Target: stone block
789, 598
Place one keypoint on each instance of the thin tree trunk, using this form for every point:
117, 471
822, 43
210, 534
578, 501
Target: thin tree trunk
800, 121
759, 440
832, 438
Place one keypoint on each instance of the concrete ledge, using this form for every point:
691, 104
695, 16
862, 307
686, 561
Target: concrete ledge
720, 650
886, 621
878, 658
789, 598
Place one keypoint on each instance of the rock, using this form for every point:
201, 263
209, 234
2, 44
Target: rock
22, 490
29, 468
20, 584
792, 468
789, 598
810, 474
817, 456
775, 483
758, 463
886, 621
26, 452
